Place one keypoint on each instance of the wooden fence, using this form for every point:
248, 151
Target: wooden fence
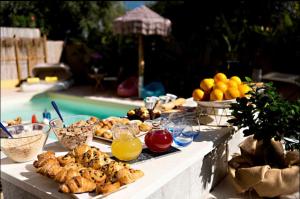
22, 48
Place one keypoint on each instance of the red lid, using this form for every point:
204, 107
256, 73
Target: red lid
33, 119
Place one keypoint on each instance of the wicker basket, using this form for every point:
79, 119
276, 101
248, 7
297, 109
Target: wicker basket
214, 113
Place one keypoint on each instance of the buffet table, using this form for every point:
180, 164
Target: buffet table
189, 173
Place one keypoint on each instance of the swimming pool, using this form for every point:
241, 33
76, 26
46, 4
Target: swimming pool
69, 105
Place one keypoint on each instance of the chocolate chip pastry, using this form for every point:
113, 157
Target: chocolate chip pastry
86, 169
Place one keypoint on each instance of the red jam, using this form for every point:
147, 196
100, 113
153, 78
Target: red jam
158, 140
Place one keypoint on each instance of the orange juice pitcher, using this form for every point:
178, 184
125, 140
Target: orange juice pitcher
125, 146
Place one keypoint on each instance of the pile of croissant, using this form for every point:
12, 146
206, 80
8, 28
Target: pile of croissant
86, 169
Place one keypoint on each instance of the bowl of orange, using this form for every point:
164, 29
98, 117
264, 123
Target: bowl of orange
220, 91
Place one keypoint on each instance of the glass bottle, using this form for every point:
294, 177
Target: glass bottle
158, 139
125, 146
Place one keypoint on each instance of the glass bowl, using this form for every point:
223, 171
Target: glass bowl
76, 130
183, 130
27, 142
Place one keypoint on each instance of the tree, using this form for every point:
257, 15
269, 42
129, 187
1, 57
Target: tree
57, 19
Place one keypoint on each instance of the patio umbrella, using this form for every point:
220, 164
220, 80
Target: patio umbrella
142, 21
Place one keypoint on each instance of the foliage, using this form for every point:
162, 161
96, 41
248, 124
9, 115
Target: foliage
199, 32
57, 18
83, 23
275, 20
266, 115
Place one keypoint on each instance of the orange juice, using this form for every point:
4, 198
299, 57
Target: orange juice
126, 148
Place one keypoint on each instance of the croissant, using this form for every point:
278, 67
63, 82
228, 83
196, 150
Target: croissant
98, 162
77, 184
112, 168
43, 159
50, 169
46, 155
126, 176
94, 158
88, 156
107, 187
66, 159
42, 162
79, 151
85, 169
95, 175
66, 174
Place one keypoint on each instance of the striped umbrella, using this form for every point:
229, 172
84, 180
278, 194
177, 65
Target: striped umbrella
142, 21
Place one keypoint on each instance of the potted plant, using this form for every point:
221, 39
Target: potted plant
269, 160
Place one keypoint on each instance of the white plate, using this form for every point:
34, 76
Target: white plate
216, 104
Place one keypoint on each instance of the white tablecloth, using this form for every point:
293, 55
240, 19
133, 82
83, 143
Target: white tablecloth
190, 173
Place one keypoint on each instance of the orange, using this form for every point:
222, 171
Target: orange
198, 94
221, 85
236, 79
232, 83
216, 95
232, 93
207, 84
220, 77
244, 88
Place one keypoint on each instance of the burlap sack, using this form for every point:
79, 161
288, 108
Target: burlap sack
255, 152
266, 181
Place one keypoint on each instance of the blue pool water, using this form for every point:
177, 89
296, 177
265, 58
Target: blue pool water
69, 105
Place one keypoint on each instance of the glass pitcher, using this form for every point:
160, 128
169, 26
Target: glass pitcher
159, 139
125, 146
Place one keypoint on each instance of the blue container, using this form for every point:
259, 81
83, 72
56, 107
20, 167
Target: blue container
153, 89
183, 140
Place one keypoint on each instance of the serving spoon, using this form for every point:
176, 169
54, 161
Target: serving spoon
5, 130
58, 112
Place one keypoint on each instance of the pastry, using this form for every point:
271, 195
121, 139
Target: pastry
92, 120
43, 159
108, 135
50, 169
96, 176
112, 168
66, 159
79, 151
145, 127
16, 121
46, 155
126, 176
97, 163
77, 184
68, 172
179, 101
107, 187
100, 131
85, 169
171, 105
88, 156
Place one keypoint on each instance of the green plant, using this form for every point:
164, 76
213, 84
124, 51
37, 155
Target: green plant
266, 115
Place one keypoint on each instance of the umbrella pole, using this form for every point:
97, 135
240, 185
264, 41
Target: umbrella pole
141, 64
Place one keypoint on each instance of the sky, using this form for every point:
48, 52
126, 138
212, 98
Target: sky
129, 5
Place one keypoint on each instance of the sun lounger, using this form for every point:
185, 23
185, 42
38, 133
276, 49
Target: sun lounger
48, 77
